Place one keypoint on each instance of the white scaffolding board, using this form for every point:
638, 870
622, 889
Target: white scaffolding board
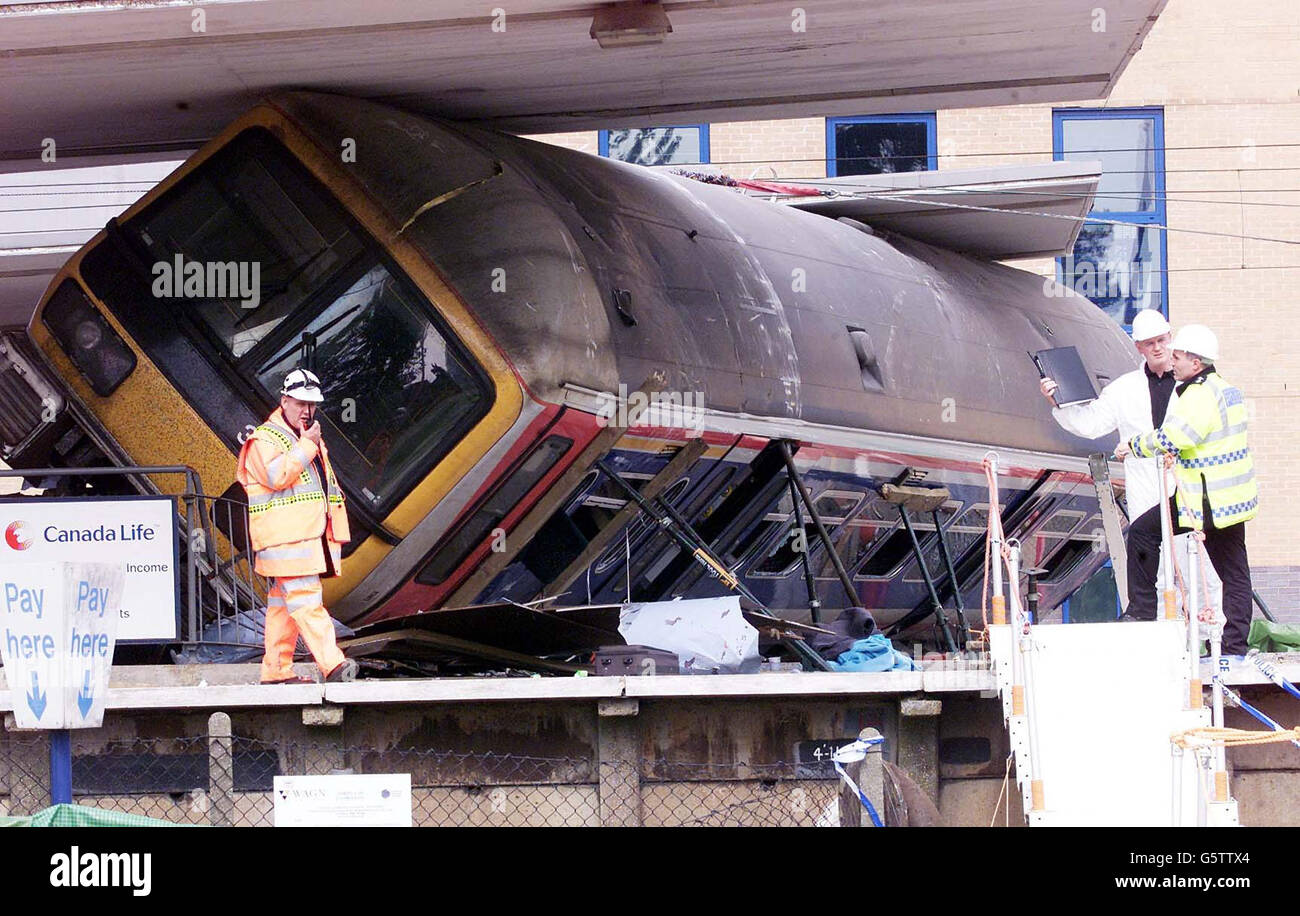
1104, 700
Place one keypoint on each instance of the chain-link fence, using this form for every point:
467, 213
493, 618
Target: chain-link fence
229, 780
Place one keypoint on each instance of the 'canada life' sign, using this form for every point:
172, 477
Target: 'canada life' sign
138, 533
58, 626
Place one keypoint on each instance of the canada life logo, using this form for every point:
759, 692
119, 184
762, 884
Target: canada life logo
16, 536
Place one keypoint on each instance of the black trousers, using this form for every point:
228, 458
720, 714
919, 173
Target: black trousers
1227, 550
1143, 550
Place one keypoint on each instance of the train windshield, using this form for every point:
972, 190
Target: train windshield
250, 260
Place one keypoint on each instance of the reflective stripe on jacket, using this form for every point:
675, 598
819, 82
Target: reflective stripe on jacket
289, 509
1206, 428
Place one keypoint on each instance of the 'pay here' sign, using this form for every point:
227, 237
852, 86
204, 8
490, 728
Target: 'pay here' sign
58, 626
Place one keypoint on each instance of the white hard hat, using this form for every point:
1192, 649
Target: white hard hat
1198, 339
303, 385
1149, 323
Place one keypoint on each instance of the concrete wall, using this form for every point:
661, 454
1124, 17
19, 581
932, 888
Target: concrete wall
711, 761
554, 762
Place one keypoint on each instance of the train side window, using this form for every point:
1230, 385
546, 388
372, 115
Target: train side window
860, 535
893, 551
1088, 539
959, 540
834, 507
711, 495
1048, 537
454, 549
754, 540
616, 552
601, 502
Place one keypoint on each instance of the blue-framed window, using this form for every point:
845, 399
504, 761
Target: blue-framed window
1121, 268
873, 144
685, 144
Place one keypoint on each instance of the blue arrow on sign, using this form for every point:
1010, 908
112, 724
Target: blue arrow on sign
86, 698
36, 698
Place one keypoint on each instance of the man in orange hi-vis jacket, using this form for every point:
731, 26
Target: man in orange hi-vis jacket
297, 523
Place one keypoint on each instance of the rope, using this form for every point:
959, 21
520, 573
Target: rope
1006, 780
1209, 736
995, 524
1236, 698
852, 753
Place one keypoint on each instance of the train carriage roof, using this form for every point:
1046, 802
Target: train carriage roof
614, 272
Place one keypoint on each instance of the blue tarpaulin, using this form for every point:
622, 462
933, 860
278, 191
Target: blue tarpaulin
875, 653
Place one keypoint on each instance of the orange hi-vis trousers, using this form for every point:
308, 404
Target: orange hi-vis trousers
293, 608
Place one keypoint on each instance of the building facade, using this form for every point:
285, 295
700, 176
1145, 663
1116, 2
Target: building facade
1201, 135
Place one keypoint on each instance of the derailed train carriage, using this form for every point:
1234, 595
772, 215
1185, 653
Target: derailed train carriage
472, 299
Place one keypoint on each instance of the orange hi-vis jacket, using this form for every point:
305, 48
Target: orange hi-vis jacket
293, 517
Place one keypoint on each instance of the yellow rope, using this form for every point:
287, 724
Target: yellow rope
1006, 778
1231, 737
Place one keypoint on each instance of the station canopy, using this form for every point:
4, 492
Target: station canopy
118, 77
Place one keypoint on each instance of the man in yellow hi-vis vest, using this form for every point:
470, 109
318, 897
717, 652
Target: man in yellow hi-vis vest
298, 524
1217, 493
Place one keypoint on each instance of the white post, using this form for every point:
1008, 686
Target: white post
1176, 820
1017, 663
1216, 675
1023, 652
1202, 803
1169, 597
995, 549
1194, 698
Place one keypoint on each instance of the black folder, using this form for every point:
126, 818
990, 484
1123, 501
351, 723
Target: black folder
1063, 365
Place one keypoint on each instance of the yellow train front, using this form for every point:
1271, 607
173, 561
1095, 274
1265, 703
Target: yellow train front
467, 297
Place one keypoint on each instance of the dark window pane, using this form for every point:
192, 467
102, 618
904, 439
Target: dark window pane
1062, 522
755, 536
1117, 267
836, 506
860, 536
1125, 147
833, 507
1065, 560
248, 210
787, 551
854, 543
874, 147
656, 145
976, 518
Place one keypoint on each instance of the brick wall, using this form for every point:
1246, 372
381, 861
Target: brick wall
794, 148
1279, 586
